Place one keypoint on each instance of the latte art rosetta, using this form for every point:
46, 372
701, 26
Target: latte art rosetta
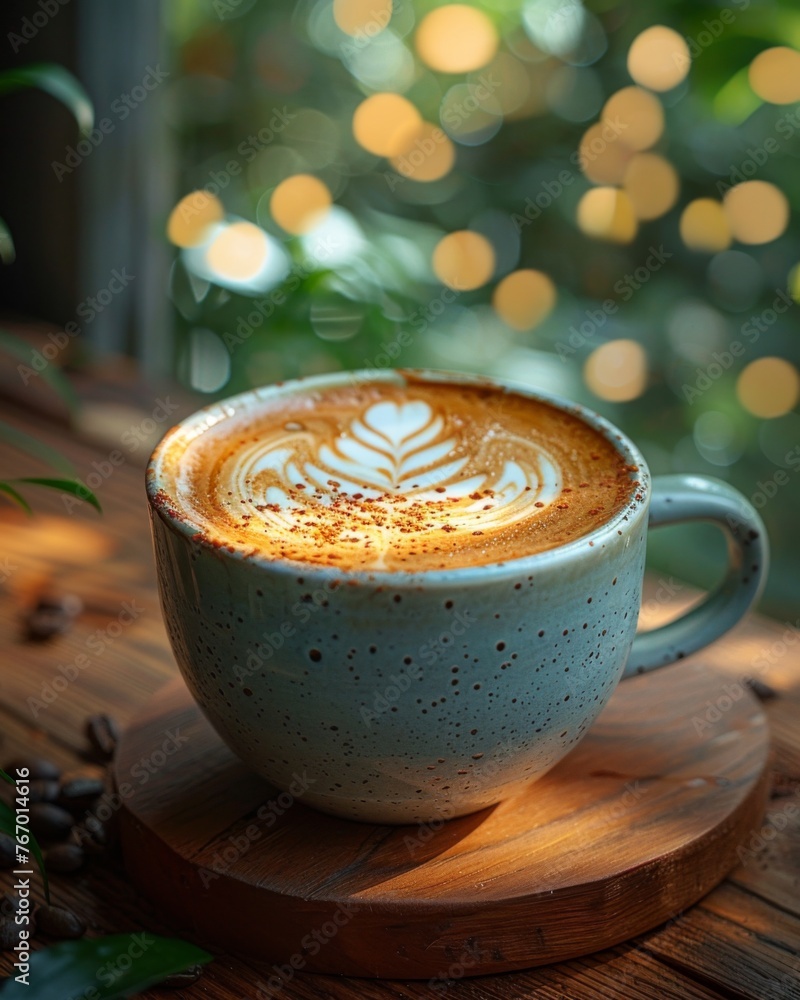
387, 477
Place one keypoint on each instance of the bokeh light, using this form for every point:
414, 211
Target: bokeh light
639, 112
238, 252
775, 75
617, 371
456, 39
757, 211
427, 154
607, 214
716, 438
189, 220
602, 155
299, 203
513, 84
652, 184
362, 17
554, 26
382, 123
463, 260
524, 298
470, 115
209, 361
704, 226
793, 283
768, 387
735, 279
659, 58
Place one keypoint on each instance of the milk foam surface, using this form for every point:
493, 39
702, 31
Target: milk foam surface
381, 476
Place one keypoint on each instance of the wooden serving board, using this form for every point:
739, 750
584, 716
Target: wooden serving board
640, 821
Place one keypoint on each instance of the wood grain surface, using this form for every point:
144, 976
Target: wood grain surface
636, 824
739, 942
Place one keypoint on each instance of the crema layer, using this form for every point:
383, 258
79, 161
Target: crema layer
378, 476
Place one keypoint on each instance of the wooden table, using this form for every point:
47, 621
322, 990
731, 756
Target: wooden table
741, 942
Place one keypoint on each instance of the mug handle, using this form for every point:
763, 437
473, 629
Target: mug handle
675, 500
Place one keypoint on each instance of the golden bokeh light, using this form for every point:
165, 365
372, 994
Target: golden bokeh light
775, 75
524, 298
607, 214
299, 203
704, 226
638, 113
793, 283
617, 371
189, 220
602, 155
757, 211
428, 154
659, 58
463, 260
769, 387
456, 39
238, 252
382, 123
652, 184
513, 82
362, 17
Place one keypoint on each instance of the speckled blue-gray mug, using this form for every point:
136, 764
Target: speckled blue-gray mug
380, 735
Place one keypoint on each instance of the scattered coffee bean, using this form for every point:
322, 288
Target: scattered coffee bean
37, 768
761, 690
43, 790
50, 822
103, 735
9, 934
8, 851
52, 616
59, 922
9, 905
79, 793
179, 979
64, 858
91, 835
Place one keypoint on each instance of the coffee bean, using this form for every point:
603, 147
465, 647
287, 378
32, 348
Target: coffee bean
9, 934
8, 851
64, 858
761, 690
50, 822
180, 979
37, 768
43, 790
91, 835
79, 793
59, 922
103, 735
9, 905
52, 615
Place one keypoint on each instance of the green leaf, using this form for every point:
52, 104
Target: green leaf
56, 81
65, 486
8, 824
18, 498
51, 373
7, 251
6, 777
104, 968
30, 445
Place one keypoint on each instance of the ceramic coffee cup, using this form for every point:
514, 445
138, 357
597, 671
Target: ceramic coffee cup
405, 697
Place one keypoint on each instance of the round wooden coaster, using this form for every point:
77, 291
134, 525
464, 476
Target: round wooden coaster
641, 820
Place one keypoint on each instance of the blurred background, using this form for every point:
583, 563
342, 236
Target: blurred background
598, 199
